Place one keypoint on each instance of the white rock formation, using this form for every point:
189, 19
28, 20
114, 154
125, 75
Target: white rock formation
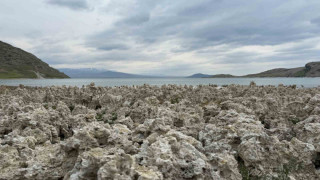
169, 132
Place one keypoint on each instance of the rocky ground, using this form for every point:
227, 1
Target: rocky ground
168, 132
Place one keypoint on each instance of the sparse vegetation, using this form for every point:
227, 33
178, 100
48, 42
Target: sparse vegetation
175, 100
285, 170
99, 116
294, 120
114, 116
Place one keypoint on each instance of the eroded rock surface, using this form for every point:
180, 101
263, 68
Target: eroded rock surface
169, 132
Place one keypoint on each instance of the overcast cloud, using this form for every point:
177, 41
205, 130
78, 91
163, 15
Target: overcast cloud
166, 37
72, 4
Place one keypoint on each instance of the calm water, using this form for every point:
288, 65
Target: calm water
306, 82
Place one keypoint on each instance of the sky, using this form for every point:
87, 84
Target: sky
165, 37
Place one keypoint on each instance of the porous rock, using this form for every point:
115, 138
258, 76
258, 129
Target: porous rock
160, 132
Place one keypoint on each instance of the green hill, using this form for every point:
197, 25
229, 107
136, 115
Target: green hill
17, 63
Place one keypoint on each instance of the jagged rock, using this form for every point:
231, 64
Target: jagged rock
169, 132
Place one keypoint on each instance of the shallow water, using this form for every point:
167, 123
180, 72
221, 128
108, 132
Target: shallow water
306, 82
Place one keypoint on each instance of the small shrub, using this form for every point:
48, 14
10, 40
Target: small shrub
71, 107
174, 100
99, 116
46, 106
244, 171
294, 120
114, 116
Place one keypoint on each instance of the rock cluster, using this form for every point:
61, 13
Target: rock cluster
168, 132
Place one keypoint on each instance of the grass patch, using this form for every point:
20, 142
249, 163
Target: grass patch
16, 74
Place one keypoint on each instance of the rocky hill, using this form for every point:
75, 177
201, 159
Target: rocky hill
311, 69
17, 63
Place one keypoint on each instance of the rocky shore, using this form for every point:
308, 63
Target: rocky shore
170, 132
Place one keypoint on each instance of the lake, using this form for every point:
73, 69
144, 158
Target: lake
306, 82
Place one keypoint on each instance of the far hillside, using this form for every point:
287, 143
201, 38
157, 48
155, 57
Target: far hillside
311, 69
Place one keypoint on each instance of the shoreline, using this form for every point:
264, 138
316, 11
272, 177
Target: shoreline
112, 82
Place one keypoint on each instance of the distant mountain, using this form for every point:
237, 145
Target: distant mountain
97, 73
199, 75
311, 69
17, 63
222, 76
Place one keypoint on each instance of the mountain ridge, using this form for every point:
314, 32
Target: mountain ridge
311, 69
98, 73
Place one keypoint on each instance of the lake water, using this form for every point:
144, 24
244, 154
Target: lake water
306, 82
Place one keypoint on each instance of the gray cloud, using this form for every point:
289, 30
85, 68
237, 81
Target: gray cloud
135, 20
197, 25
172, 37
208, 22
316, 21
72, 4
109, 47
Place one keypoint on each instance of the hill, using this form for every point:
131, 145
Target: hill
199, 75
222, 76
17, 63
97, 73
311, 69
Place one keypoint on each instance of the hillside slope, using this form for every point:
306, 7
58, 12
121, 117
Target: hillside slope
311, 69
17, 63
280, 72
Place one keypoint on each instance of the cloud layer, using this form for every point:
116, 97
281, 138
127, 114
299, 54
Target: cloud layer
72, 4
167, 37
